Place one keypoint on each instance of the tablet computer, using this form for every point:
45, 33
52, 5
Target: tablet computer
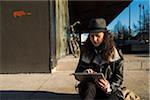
82, 76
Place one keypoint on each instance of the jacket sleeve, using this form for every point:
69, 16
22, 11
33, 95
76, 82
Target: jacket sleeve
80, 67
117, 79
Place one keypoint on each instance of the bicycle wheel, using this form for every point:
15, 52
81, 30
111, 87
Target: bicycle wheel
75, 48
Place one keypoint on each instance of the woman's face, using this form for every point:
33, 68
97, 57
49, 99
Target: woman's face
96, 38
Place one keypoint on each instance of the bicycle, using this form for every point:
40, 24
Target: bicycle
74, 41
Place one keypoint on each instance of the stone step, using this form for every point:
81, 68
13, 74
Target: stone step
69, 63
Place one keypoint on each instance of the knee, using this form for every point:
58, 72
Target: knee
88, 86
87, 90
91, 86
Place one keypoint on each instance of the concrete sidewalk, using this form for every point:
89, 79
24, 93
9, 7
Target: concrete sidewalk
60, 84
56, 86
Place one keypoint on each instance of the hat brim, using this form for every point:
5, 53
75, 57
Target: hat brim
97, 30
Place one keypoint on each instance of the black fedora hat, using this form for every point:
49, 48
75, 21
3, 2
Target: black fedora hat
97, 25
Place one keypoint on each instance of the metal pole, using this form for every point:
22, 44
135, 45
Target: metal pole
143, 18
129, 20
140, 17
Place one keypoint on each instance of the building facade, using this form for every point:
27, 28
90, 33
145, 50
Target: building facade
33, 34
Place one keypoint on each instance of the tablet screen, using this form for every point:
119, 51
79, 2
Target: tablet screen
81, 76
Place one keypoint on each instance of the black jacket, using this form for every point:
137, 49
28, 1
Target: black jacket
112, 71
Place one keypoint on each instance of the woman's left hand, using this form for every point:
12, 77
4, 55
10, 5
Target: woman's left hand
102, 84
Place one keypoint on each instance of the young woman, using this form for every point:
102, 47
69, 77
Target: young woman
99, 55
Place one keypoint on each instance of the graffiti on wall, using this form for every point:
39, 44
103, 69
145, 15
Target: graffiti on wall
21, 13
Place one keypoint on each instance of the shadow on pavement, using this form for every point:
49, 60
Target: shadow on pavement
36, 95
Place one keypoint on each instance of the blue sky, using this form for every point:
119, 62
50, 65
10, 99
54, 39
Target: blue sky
123, 17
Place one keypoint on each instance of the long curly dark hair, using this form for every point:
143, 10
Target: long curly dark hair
108, 49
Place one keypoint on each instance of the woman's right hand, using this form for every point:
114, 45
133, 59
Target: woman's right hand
89, 70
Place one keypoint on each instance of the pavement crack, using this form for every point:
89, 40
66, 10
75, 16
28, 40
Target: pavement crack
30, 96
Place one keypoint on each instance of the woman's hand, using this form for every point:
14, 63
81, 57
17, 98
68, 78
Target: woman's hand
103, 85
89, 71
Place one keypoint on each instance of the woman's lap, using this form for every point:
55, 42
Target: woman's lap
89, 91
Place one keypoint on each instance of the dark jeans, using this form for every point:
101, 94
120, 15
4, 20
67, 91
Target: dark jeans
89, 91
